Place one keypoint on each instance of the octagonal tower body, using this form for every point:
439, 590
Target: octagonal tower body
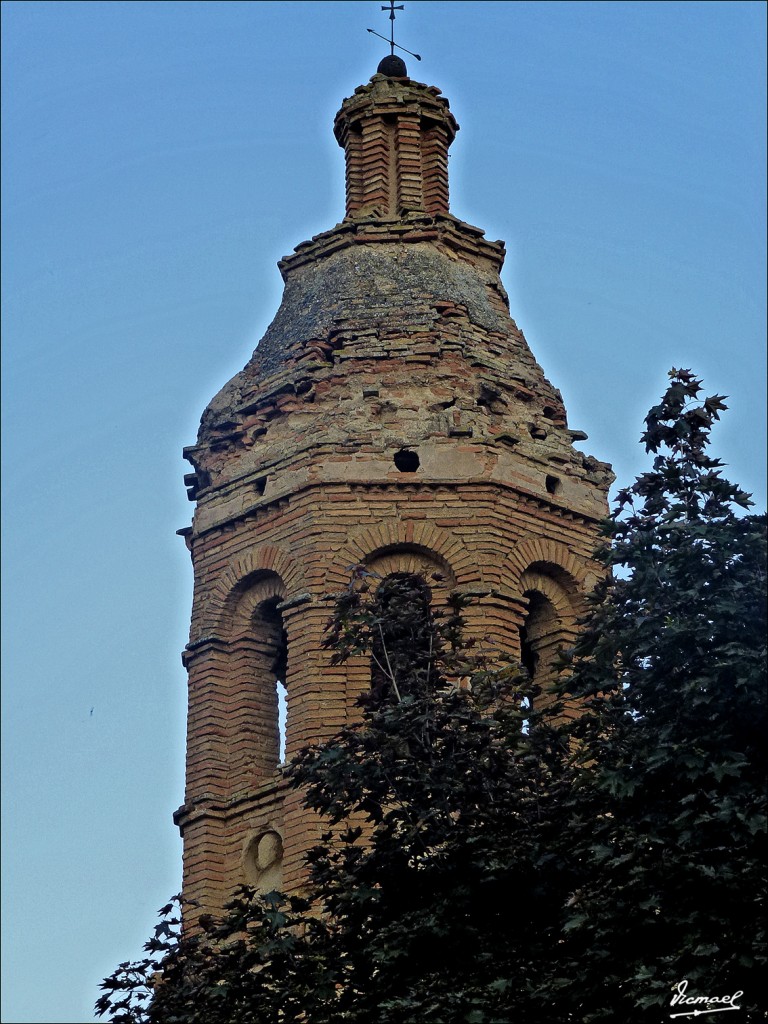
392, 415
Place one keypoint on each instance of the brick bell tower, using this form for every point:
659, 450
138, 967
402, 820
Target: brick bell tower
392, 415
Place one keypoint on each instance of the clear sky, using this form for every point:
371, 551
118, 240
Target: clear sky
159, 158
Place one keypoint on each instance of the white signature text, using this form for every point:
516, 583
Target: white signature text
710, 1004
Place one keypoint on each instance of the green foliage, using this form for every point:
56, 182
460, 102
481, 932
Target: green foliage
261, 963
670, 670
488, 858
440, 908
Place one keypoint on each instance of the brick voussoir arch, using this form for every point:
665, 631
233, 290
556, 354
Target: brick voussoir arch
554, 592
243, 572
537, 550
374, 542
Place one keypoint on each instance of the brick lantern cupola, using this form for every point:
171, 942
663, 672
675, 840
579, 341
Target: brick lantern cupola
395, 134
392, 415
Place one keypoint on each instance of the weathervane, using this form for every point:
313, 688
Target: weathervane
392, 7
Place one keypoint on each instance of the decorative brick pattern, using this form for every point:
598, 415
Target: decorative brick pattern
392, 415
396, 135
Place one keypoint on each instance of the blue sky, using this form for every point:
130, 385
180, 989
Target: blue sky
158, 159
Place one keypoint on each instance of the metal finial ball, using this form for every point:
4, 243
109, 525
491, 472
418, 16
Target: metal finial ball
392, 67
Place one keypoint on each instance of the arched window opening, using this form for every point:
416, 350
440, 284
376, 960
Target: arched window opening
282, 719
272, 643
404, 641
529, 659
539, 637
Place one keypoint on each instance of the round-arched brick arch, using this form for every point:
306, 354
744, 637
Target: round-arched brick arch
548, 586
547, 558
400, 542
255, 576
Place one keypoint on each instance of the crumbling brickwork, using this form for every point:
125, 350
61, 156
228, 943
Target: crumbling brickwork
392, 415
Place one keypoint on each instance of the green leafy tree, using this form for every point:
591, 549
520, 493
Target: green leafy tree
261, 963
442, 905
670, 671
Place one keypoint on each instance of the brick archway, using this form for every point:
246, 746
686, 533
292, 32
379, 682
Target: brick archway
241, 575
403, 545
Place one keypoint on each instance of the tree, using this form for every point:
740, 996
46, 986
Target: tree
670, 673
442, 907
488, 858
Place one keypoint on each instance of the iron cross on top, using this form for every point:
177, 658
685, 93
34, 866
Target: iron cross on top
392, 8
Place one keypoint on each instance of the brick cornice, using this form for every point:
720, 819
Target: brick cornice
258, 508
209, 806
453, 234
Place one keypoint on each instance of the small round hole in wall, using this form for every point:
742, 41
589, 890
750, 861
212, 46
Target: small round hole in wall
552, 484
406, 460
